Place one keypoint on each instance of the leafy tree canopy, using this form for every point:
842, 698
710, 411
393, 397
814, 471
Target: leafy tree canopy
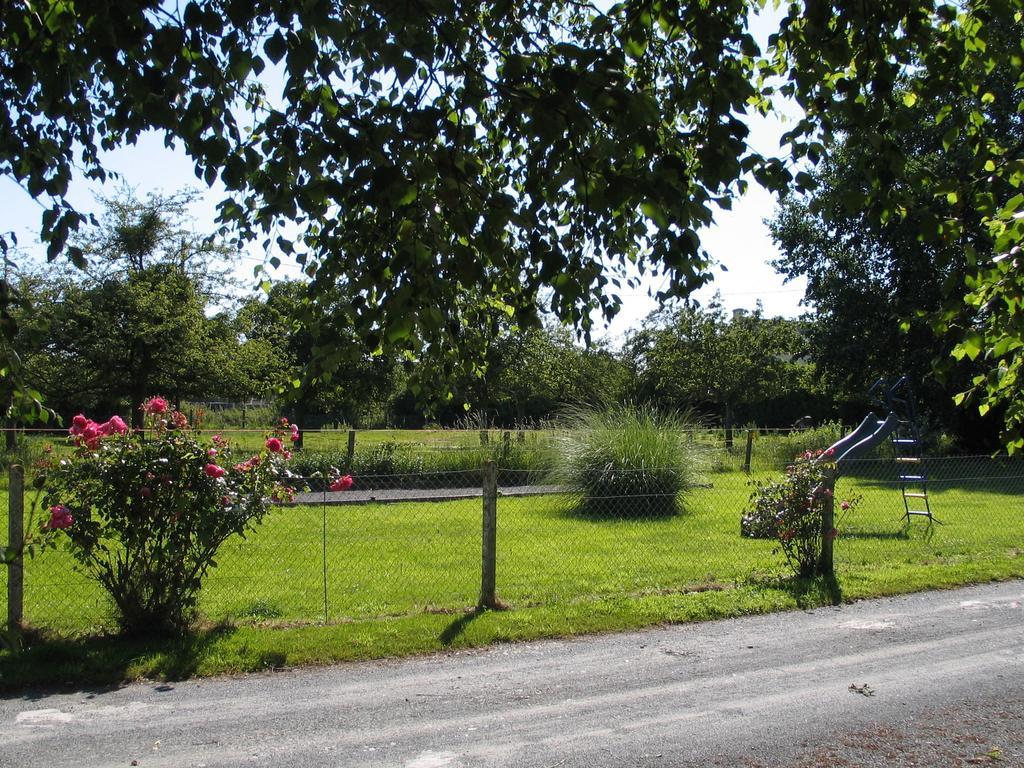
886, 267
694, 358
447, 157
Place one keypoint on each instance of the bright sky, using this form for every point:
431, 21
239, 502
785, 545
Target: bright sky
741, 247
738, 242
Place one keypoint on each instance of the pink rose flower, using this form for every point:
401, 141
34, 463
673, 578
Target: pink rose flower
114, 426
89, 436
274, 445
85, 432
60, 518
179, 420
295, 434
212, 470
211, 452
155, 405
343, 483
845, 505
248, 464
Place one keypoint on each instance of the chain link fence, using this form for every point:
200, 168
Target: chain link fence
977, 503
400, 544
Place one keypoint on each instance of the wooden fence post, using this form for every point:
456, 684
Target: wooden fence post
16, 542
750, 450
351, 447
488, 599
826, 566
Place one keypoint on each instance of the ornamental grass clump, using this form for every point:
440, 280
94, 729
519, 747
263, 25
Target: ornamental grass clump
144, 515
629, 462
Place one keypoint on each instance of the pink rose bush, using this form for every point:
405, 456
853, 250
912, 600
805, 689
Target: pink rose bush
145, 517
790, 510
86, 433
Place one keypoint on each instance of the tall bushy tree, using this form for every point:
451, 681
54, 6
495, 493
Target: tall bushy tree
23, 297
134, 323
285, 322
883, 279
533, 374
699, 358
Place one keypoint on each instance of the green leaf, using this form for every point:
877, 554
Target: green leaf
275, 47
399, 329
971, 345
654, 212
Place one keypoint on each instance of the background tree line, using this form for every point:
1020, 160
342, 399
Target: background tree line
153, 313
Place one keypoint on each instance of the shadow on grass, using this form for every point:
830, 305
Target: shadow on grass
47, 664
633, 509
808, 593
457, 627
953, 475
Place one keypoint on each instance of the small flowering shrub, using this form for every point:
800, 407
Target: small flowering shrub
145, 516
790, 510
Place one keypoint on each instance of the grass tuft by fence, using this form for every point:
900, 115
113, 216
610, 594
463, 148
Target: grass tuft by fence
628, 462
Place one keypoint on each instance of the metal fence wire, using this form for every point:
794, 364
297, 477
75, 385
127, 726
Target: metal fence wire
400, 544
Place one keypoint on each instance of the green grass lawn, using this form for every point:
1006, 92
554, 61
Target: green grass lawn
403, 578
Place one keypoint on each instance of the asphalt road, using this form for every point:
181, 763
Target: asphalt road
934, 679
